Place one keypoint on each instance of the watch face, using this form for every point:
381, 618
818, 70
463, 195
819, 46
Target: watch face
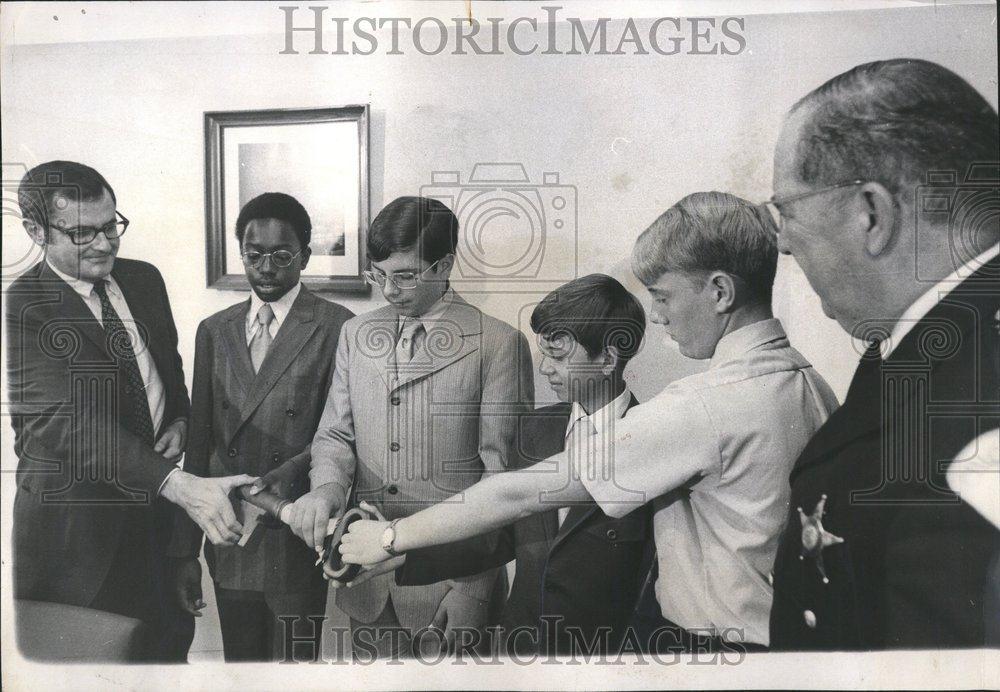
388, 536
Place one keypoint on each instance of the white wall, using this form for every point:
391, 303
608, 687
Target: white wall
632, 133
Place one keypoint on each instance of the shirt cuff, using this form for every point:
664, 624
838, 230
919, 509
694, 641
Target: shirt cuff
164, 483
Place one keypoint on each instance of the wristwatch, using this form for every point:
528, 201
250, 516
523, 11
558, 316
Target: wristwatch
389, 538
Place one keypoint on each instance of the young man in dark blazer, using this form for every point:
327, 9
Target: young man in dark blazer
261, 373
577, 571
99, 411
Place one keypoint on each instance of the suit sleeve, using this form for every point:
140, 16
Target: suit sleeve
334, 455
508, 389
55, 428
455, 560
187, 537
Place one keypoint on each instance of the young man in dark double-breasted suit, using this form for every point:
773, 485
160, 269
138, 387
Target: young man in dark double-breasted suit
262, 371
577, 570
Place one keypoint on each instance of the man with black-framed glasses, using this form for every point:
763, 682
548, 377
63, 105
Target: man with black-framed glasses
99, 410
262, 369
424, 403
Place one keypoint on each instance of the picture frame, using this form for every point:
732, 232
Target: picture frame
317, 155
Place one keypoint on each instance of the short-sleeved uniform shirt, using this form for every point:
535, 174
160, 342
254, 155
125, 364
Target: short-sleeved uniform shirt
724, 441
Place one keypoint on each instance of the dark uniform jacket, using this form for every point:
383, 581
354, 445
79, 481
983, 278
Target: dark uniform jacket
907, 563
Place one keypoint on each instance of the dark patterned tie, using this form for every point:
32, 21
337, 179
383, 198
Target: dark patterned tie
137, 419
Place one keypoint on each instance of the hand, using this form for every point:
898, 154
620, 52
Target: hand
310, 514
459, 610
362, 544
287, 481
206, 500
187, 585
173, 440
368, 573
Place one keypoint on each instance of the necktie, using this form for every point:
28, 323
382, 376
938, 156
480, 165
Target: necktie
137, 417
408, 335
261, 341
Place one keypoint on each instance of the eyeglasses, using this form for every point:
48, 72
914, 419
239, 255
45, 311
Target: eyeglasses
81, 235
279, 258
774, 205
401, 280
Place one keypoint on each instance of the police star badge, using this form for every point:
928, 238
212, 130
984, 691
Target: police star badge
815, 538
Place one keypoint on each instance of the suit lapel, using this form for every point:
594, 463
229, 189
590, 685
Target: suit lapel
447, 340
298, 326
235, 343
862, 412
70, 306
146, 320
578, 514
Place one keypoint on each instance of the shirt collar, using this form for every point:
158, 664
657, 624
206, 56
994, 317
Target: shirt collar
929, 300
281, 307
613, 410
434, 312
744, 339
84, 288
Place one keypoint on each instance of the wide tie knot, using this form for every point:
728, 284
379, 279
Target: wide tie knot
409, 327
265, 315
101, 289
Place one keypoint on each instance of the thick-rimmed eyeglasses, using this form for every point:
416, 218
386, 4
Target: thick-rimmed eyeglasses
401, 280
81, 235
279, 258
775, 204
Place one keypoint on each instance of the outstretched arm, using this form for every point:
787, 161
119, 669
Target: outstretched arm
488, 505
622, 468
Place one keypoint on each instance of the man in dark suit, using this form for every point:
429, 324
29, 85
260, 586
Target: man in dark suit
262, 370
577, 570
885, 189
99, 411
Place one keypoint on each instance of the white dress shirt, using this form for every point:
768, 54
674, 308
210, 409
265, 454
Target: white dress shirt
281, 307
726, 439
433, 313
583, 425
975, 474
155, 392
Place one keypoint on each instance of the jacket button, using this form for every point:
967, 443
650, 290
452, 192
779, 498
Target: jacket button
394, 401
290, 413
612, 534
276, 458
232, 452
128, 389
810, 618
394, 447
392, 490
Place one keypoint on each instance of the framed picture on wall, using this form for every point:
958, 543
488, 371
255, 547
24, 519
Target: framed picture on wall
320, 157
